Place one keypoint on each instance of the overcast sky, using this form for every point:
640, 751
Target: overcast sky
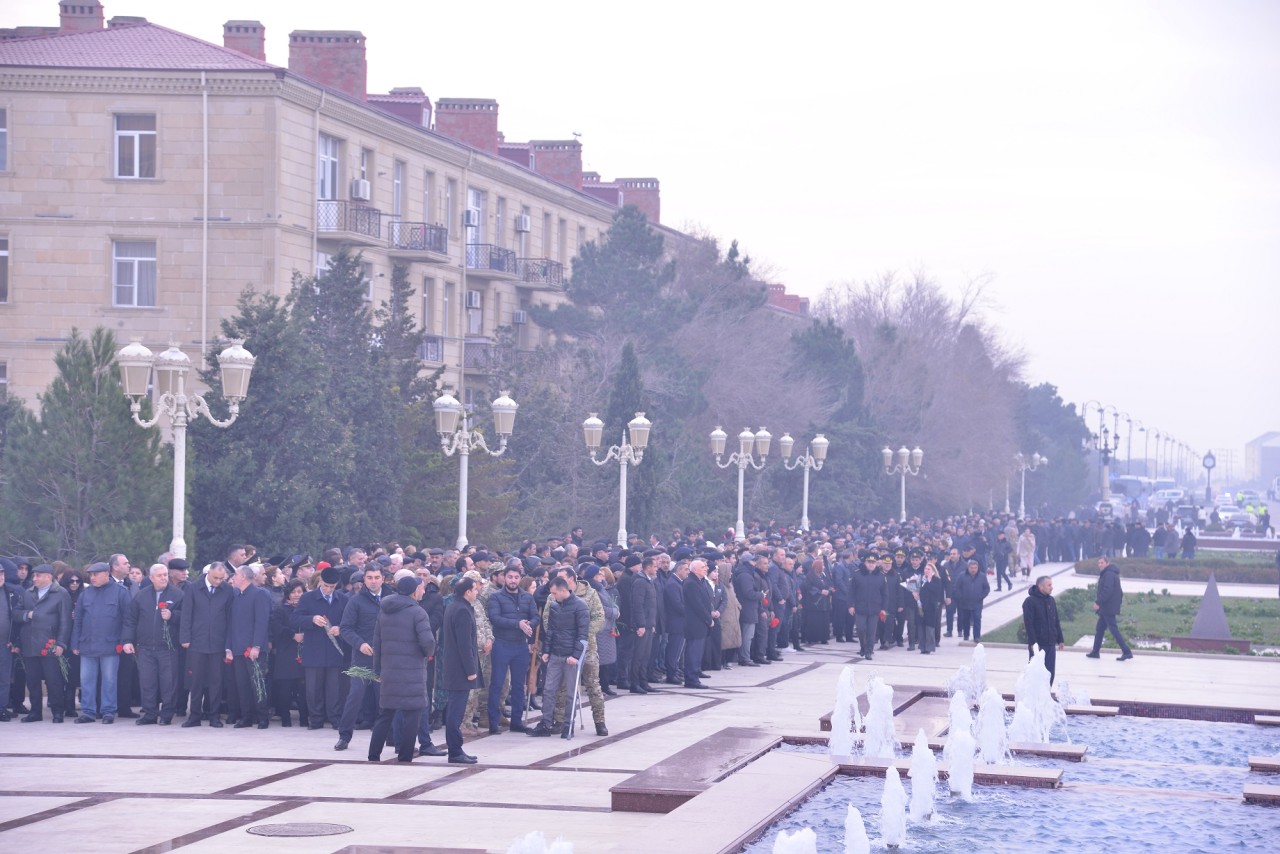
1113, 168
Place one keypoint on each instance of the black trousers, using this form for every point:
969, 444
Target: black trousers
206, 682
355, 702
128, 684
640, 660
45, 668
285, 692
324, 697
410, 718
626, 645
453, 712
249, 706
158, 679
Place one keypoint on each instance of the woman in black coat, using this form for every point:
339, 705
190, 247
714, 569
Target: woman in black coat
817, 591
933, 596
286, 658
402, 643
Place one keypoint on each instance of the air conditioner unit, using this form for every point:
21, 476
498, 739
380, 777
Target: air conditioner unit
474, 300
519, 317
360, 190
522, 222
471, 219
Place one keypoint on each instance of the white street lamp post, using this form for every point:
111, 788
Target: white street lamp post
812, 459
908, 464
627, 454
743, 458
1026, 464
456, 437
136, 363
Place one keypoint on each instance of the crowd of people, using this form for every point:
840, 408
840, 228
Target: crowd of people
402, 641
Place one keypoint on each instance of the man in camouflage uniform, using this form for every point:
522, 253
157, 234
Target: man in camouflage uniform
591, 663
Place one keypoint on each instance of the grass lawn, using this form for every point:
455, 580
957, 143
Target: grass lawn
1156, 617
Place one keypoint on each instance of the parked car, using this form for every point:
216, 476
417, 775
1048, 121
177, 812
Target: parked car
1164, 496
1112, 508
1238, 518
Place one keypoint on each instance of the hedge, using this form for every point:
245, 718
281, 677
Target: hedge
1227, 570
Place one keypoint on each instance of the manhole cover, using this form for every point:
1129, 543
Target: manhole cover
299, 828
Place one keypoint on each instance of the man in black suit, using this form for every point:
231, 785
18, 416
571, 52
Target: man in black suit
248, 632
145, 636
44, 620
699, 617
319, 618
643, 618
460, 665
206, 614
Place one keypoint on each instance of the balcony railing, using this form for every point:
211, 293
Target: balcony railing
337, 215
478, 353
418, 237
431, 349
485, 256
540, 271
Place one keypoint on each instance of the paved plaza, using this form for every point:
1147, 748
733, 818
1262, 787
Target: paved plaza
151, 789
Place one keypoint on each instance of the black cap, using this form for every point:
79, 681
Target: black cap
407, 585
330, 575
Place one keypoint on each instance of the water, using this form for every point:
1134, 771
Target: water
855, 833
846, 719
1035, 713
802, 841
993, 741
1009, 819
893, 810
960, 748
879, 741
924, 778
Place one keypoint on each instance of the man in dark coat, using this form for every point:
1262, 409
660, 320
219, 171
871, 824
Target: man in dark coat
206, 615
841, 599
11, 595
626, 631
564, 643
359, 622
514, 618
970, 589
949, 570
673, 596
868, 601
44, 620
1107, 604
1040, 618
643, 619
1002, 552
97, 635
402, 642
248, 634
747, 586
699, 616
319, 618
460, 665
151, 634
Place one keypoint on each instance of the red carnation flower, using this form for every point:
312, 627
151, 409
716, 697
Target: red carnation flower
247, 650
119, 648
44, 652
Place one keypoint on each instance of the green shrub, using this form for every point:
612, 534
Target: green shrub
1228, 571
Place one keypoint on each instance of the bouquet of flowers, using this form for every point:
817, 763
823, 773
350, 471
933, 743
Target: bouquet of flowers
63, 664
255, 673
161, 606
362, 673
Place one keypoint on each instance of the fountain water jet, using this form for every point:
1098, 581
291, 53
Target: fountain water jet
879, 741
1035, 711
803, 841
993, 741
855, 833
535, 843
893, 810
924, 778
846, 718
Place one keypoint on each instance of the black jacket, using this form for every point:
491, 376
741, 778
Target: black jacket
644, 604
697, 600
317, 649
867, 592
286, 652
1040, 616
50, 620
673, 602
402, 642
567, 627
143, 625
250, 624
749, 588
506, 610
459, 656
359, 622
970, 590
933, 596
205, 617
1110, 596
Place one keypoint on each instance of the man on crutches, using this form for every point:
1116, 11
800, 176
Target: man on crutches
564, 639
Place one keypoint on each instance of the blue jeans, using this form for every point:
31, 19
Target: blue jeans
513, 657
748, 635
91, 666
1188, 554
1159, 552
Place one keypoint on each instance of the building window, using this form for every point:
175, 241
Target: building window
4, 140
447, 310
524, 232
475, 313
366, 158
4, 269
136, 146
327, 167
582, 237
500, 222
428, 203
366, 271
475, 207
4, 375
428, 305
547, 234
134, 279
562, 235
397, 189
450, 191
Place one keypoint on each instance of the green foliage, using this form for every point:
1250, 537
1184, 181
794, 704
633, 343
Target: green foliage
1228, 570
82, 480
1048, 426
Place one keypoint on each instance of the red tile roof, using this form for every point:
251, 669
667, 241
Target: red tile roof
137, 46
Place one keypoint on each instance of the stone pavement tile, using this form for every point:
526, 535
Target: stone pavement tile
126, 824
545, 788
366, 780
135, 776
20, 806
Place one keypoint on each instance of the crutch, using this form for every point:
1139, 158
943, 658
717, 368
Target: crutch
573, 712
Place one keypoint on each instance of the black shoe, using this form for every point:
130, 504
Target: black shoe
85, 719
315, 726
897, 643
243, 723
194, 720
542, 730
57, 717
216, 723
518, 728
433, 750
649, 689
601, 730
1093, 655
5, 716
748, 664
462, 759
342, 744
695, 685
110, 719
1125, 657
127, 713
637, 691
263, 724
145, 720
493, 730
704, 675
946, 634
608, 692
672, 681
775, 658
166, 721
31, 718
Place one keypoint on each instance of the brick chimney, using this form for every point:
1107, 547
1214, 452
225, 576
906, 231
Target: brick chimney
559, 160
332, 58
406, 102
125, 21
643, 193
81, 16
247, 37
471, 121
